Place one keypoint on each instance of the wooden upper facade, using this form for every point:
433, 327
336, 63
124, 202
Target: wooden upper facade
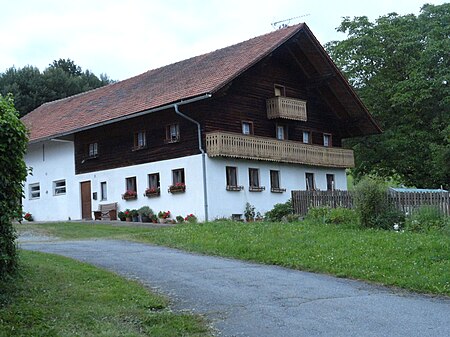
288, 103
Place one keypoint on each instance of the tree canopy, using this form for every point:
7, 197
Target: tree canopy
400, 67
60, 79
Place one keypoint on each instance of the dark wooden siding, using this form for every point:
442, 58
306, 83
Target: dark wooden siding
242, 100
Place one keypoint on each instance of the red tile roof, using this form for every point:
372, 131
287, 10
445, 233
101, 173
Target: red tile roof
189, 78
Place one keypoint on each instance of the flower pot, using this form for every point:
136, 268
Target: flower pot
161, 220
128, 219
136, 218
145, 218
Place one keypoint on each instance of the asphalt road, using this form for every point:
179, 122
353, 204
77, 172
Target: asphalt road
246, 299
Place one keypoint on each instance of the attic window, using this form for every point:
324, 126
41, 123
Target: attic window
172, 133
279, 90
93, 150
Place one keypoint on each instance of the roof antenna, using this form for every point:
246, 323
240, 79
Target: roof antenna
285, 23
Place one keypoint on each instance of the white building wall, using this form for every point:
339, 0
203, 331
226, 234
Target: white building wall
223, 203
55, 160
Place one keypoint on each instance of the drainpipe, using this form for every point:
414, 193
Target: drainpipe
200, 147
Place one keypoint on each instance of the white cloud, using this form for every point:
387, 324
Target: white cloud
125, 38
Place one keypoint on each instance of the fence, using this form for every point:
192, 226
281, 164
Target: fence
404, 201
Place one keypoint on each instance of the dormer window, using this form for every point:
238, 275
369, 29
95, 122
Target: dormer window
279, 90
172, 133
93, 150
247, 128
326, 139
140, 140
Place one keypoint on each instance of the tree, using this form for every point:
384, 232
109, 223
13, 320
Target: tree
31, 88
400, 67
13, 172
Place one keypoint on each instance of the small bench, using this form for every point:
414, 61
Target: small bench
106, 211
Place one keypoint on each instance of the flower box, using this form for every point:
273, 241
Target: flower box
234, 188
256, 189
277, 190
177, 188
152, 192
129, 195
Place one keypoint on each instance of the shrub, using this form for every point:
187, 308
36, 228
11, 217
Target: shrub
179, 218
340, 215
191, 218
371, 203
13, 172
145, 211
249, 212
427, 218
318, 214
279, 211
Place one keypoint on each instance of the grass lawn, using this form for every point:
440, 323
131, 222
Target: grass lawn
414, 261
57, 296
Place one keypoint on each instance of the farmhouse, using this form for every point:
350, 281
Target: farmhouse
246, 123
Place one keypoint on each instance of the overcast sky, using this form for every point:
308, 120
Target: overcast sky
126, 38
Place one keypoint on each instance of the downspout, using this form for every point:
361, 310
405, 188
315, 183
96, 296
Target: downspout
200, 147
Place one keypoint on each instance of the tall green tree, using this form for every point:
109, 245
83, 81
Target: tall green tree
400, 67
13, 172
60, 79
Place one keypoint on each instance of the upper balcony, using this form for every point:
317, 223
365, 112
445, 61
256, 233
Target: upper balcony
285, 107
227, 144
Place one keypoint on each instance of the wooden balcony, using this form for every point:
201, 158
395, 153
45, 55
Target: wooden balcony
227, 144
285, 107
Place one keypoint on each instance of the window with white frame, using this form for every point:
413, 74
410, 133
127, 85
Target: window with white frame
93, 150
172, 133
282, 132
34, 191
59, 187
310, 183
326, 139
178, 177
306, 137
131, 184
140, 140
247, 128
330, 182
103, 191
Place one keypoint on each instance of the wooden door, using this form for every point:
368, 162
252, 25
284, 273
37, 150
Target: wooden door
86, 205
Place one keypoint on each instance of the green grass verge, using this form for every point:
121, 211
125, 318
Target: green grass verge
414, 261
56, 296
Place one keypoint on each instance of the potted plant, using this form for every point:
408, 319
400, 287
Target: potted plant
135, 215
249, 212
129, 195
121, 215
28, 217
153, 218
180, 219
145, 213
191, 218
177, 188
151, 192
128, 217
163, 216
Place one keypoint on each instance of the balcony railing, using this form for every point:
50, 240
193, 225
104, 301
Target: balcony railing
285, 107
235, 145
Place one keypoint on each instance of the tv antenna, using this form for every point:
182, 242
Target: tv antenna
285, 23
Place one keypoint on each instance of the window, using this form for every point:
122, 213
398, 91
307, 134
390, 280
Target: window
93, 150
140, 140
178, 176
306, 137
253, 180
274, 179
279, 90
153, 181
131, 184
172, 133
330, 182
326, 139
282, 132
232, 184
103, 191
35, 191
310, 184
275, 182
59, 187
247, 128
